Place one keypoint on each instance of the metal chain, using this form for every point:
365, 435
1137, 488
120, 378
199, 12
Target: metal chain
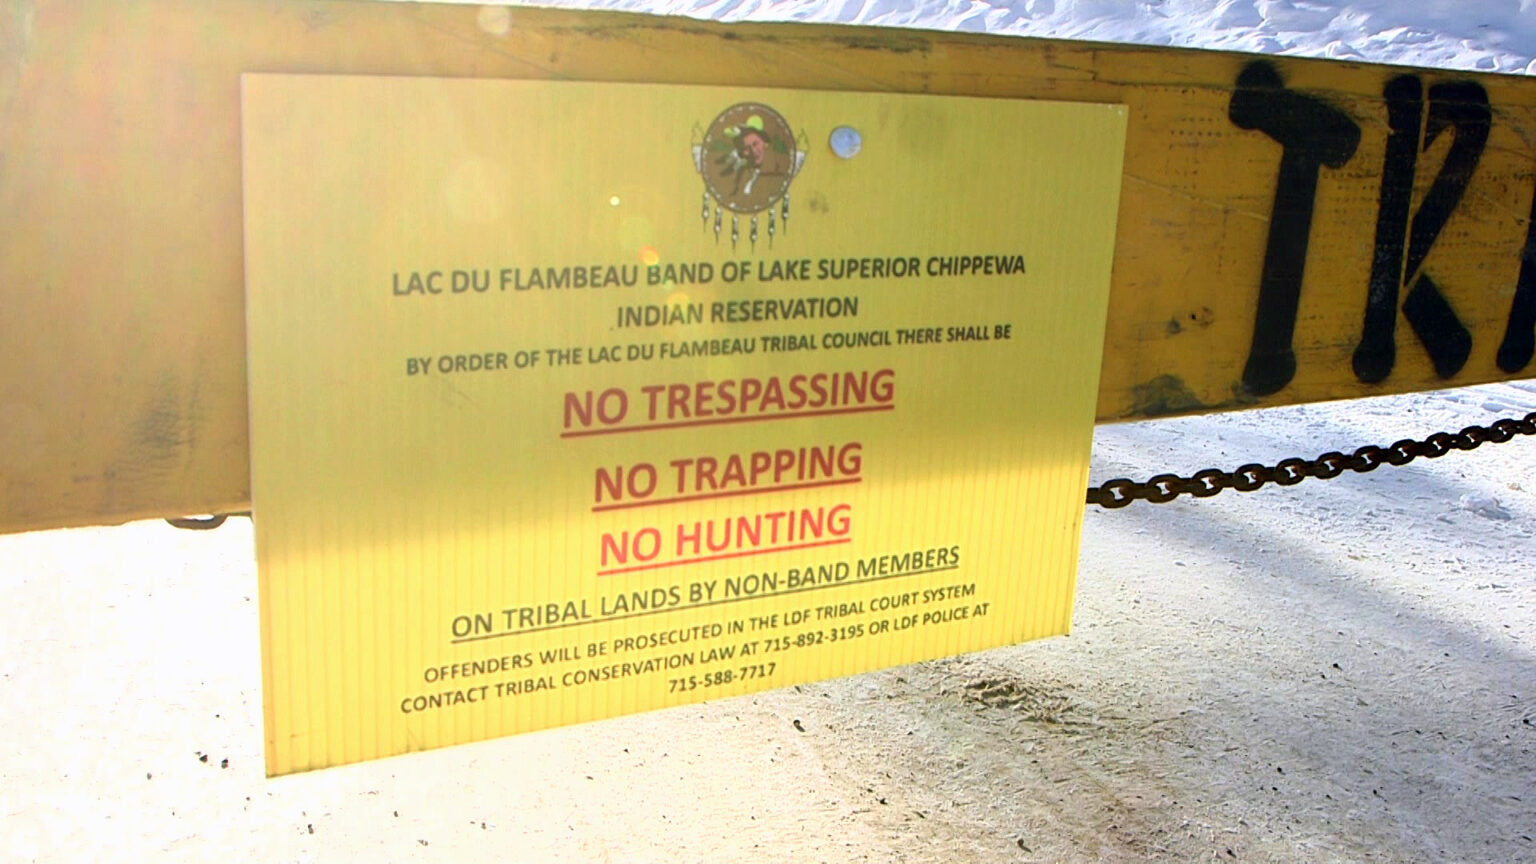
1203, 484
199, 523
1212, 481
205, 523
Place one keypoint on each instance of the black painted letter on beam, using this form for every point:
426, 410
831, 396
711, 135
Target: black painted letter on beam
1377, 351
1520, 334
1311, 134
1463, 108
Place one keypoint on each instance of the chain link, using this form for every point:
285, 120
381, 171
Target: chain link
1203, 484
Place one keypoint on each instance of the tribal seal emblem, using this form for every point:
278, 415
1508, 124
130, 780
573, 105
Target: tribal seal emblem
747, 158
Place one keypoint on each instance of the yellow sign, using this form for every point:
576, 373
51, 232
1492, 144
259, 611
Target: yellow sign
570, 400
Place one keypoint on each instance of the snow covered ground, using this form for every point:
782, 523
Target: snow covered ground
1343, 671
1485, 35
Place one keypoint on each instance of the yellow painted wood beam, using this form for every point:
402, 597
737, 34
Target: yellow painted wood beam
1290, 230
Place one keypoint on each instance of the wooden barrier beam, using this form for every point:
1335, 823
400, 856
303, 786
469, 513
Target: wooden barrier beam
1290, 230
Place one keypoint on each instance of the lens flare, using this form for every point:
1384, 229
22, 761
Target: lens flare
649, 256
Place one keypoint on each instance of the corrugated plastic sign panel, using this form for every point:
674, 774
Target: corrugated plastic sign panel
571, 400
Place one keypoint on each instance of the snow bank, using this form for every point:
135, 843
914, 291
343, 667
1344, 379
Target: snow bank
1486, 35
